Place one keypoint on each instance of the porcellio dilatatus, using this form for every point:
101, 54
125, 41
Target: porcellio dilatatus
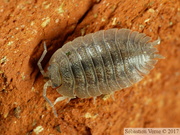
99, 63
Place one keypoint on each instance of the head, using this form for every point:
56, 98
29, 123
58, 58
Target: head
54, 75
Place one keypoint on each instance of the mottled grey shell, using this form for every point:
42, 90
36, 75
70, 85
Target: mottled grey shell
102, 62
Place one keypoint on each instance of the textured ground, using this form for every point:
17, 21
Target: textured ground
153, 102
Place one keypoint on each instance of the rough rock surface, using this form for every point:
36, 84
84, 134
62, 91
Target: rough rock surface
153, 102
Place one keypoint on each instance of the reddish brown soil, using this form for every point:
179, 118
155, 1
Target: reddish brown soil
153, 102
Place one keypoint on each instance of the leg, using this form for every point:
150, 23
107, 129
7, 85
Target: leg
112, 95
59, 99
94, 100
69, 99
107, 96
48, 83
40, 60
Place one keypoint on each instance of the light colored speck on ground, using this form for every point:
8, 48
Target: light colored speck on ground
89, 115
60, 9
151, 10
95, 15
147, 20
10, 43
46, 6
141, 26
107, 4
38, 129
46, 22
42, 116
158, 76
138, 116
32, 89
5, 115
177, 73
45, 2
113, 8
83, 30
1, 10
161, 103
103, 20
32, 23
17, 112
148, 101
1, 72
151, 3
23, 26
34, 122
23, 76
170, 23
57, 20
114, 21
3, 60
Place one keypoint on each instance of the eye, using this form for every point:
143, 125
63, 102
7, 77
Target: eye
54, 85
49, 67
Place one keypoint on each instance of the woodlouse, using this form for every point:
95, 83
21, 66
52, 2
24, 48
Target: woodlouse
99, 63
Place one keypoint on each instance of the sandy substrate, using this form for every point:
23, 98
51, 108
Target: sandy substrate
24, 25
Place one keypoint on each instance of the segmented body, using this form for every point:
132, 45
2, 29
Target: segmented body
101, 63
